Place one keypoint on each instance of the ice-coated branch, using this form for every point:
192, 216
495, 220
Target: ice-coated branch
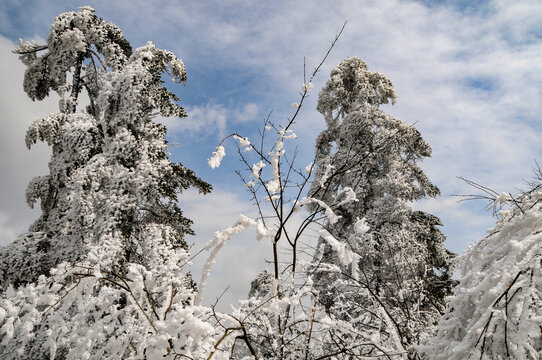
219, 240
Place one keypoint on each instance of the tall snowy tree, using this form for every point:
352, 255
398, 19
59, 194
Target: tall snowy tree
284, 317
115, 129
496, 309
100, 275
396, 285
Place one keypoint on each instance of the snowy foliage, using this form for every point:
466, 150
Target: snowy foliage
83, 46
496, 309
284, 317
398, 279
103, 273
100, 274
74, 37
116, 154
84, 311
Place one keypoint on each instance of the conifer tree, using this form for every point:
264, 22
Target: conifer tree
105, 150
100, 274
400, 275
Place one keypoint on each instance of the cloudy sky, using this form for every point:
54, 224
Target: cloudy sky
467, 73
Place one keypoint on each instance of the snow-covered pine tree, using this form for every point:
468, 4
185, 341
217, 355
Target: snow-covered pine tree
83, 46
84, 49
106, 256
396, 286
496, 309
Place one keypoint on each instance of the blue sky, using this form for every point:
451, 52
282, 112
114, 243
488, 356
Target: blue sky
468, 73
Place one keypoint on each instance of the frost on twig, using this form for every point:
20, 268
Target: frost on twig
215, 160
219, 240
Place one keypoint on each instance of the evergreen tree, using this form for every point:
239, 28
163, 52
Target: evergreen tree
100, 155
106, 256
396, 286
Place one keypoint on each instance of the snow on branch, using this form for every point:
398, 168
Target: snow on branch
219, 240
215, 160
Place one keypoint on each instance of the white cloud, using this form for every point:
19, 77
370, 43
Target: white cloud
211, 118
247, 113
8, 232
208, 118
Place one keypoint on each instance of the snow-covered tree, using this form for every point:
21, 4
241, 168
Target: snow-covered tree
116, 130
100, 274
496, 309
396, 283
83, 47
285, 316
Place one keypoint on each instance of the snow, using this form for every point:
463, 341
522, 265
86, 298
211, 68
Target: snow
307, 87
219, 240
497, 306
218, 154
308, 168
273, 186
361, 227
103, 273
256, 168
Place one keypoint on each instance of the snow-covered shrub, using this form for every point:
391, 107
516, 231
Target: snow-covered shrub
496, 309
